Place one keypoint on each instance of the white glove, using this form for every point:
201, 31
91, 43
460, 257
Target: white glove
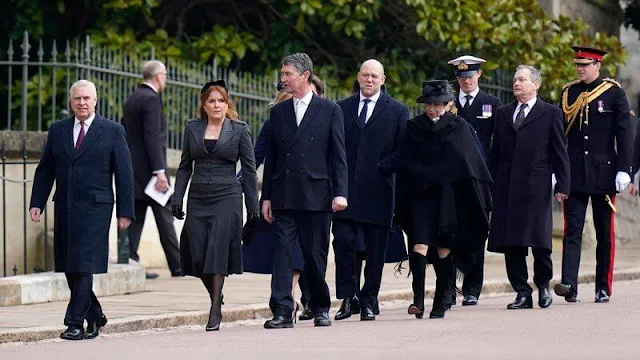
622, 181
553, 183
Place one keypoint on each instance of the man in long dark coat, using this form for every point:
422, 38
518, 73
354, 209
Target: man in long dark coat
374, 124
528, 145
82, 155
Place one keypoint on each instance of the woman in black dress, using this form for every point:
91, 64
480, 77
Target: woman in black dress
443, 194
210, 243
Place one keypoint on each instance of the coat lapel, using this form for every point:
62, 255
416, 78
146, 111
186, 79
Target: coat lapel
537, 111
290, 115
379, 107
509, 119
198, 129
226, 134
93, 133
353, 108
67, 137
312, 110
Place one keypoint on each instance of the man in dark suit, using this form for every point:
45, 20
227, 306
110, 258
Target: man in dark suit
305, 178
374, 124
528, 145
147, 139
478, 109
599, 134
82, 155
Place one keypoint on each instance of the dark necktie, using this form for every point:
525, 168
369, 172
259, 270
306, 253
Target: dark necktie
468, 103
80, 135
520, 116
362, 118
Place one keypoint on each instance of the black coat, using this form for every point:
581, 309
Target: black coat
481, 124
521, 163
84, 191
371, 194
146, 135
604, 145
636, 150
306, 165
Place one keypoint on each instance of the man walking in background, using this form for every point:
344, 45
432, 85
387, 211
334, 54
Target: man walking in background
147, 139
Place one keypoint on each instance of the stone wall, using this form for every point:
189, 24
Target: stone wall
600, 15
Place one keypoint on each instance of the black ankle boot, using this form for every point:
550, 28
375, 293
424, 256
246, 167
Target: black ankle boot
417, 263
444, 276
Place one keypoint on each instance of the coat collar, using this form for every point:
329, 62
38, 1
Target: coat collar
226, 133
354, 104
537, 111
93, 133
309, 115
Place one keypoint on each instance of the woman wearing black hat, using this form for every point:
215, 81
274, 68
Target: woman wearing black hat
210, 243
443, 194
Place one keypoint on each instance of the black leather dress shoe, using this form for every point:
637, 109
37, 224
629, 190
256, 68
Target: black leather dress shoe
367, 314
93, 328
279, 322
544, 297
469, 300
566, 291
215, 327
306, 314
602, 296
345, 310
177, 273
415, 310
522, 302
355, 305
151, 276
73, 333
322, 319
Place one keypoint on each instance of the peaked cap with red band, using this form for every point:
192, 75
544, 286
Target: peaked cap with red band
587, 55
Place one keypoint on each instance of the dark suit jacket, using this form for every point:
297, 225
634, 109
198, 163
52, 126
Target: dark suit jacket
521, 162
219, 166
306, 165
146, 135
473, 114
84, 191
371, 194
636, 151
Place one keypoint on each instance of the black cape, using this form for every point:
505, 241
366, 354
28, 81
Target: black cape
444, 155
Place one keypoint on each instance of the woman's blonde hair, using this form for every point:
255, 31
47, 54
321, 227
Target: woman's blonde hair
231, 110
280, 97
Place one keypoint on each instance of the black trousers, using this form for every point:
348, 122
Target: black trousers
312, 230
473, 280
516, 262
83, 304
166, 231
575, 208
345, 234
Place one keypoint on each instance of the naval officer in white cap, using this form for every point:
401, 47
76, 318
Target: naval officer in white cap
478, 109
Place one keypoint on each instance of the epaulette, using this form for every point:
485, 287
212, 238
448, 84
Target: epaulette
613, 81
570, 83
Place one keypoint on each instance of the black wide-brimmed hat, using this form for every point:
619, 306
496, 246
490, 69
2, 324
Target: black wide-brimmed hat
436, 91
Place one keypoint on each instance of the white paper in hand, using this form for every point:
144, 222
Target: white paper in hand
159, 197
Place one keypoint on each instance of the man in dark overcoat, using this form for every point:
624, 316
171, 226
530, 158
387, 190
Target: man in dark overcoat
599, 135
528, 145
478, 109
374, 124
305, 178
147, 139
82, 156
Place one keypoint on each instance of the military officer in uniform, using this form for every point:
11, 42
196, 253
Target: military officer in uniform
599, 134
478, 109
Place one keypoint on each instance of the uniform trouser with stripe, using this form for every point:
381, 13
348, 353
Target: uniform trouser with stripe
603, 219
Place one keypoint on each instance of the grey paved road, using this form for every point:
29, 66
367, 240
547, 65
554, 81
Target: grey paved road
488, 331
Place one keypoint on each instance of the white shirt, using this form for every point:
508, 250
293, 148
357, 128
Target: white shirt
370, 106
300, 106
76, 128
530, 104
462, 94
151, 86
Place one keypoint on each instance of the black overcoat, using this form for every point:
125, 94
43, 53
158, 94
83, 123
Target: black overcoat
306, 165
84, 191
521, 163
371, 194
